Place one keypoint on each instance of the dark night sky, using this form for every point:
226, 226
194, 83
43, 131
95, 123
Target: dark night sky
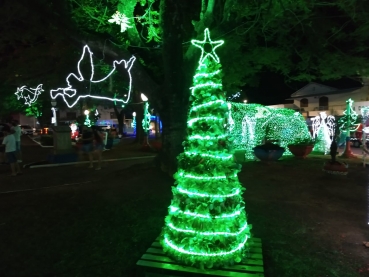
273, 90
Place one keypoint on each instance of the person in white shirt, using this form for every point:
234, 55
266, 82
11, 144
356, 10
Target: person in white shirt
17, 131
10, 151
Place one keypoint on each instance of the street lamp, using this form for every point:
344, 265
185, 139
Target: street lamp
54, 119
244, 101
144, 98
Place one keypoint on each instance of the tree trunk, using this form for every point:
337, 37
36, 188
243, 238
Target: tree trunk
175, 94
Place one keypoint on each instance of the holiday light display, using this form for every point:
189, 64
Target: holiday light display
206, 225
254, 123
120, 19
323, 131
29, 95
134, 122
146, 116
348, 122
87, 120
70, 95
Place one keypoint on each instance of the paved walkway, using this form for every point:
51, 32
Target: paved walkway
122, 156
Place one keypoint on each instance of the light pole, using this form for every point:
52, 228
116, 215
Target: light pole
54, 120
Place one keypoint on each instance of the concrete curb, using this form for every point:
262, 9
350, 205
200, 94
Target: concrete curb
85, 162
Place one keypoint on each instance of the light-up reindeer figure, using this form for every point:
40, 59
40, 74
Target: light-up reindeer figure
323, 131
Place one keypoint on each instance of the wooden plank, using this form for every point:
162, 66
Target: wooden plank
181, 268
240, 267
252, 266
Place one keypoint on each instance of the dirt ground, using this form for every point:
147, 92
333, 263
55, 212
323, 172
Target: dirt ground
73, 221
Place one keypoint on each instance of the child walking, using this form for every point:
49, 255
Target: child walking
10, 151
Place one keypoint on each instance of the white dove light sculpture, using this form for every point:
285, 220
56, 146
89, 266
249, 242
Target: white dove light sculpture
70, 95
29, 95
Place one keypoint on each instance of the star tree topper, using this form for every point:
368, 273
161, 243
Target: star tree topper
207, 47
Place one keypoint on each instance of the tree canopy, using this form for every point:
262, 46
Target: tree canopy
301, 40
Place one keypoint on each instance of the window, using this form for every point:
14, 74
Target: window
113, 115
71, 115
304, 103
323, 103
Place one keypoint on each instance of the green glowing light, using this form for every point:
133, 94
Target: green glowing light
237, 192
254, 123
222, 253
221, 157
195, 137
243, 228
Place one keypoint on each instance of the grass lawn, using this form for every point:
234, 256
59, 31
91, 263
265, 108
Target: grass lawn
310, 223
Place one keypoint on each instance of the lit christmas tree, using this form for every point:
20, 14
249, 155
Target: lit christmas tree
206, 226
348, 123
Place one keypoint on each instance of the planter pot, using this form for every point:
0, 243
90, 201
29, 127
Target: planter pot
268, 155
300, 151
239, 155
336, 168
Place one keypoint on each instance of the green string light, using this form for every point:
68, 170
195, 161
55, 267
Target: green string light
254, 123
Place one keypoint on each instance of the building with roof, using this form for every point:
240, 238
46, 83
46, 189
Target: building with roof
314, 98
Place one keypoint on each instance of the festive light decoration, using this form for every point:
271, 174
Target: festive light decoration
147, 116
134, 122
29, 95
120, 19
349, 117
206, 225
70, 95
323, 131
253, 123
207, 47
87, 120
348, 123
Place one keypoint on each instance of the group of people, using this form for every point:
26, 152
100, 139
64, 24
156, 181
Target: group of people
10, 148
92, 144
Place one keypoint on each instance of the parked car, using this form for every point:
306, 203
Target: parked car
27, 130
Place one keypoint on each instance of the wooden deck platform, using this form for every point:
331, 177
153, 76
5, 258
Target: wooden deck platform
157, 264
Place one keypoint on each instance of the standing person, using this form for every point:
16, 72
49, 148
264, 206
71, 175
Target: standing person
17, 131
99, 146
10, 151
342, 139
87, 146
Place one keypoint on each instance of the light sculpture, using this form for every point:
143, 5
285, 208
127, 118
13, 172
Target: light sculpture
134, 122
70, 94
323, 130
347, 124
30, 95
87, 120
253, 123
206, 225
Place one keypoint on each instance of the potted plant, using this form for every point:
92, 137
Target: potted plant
301, 148
268, 151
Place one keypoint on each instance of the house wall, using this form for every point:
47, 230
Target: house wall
336, 103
